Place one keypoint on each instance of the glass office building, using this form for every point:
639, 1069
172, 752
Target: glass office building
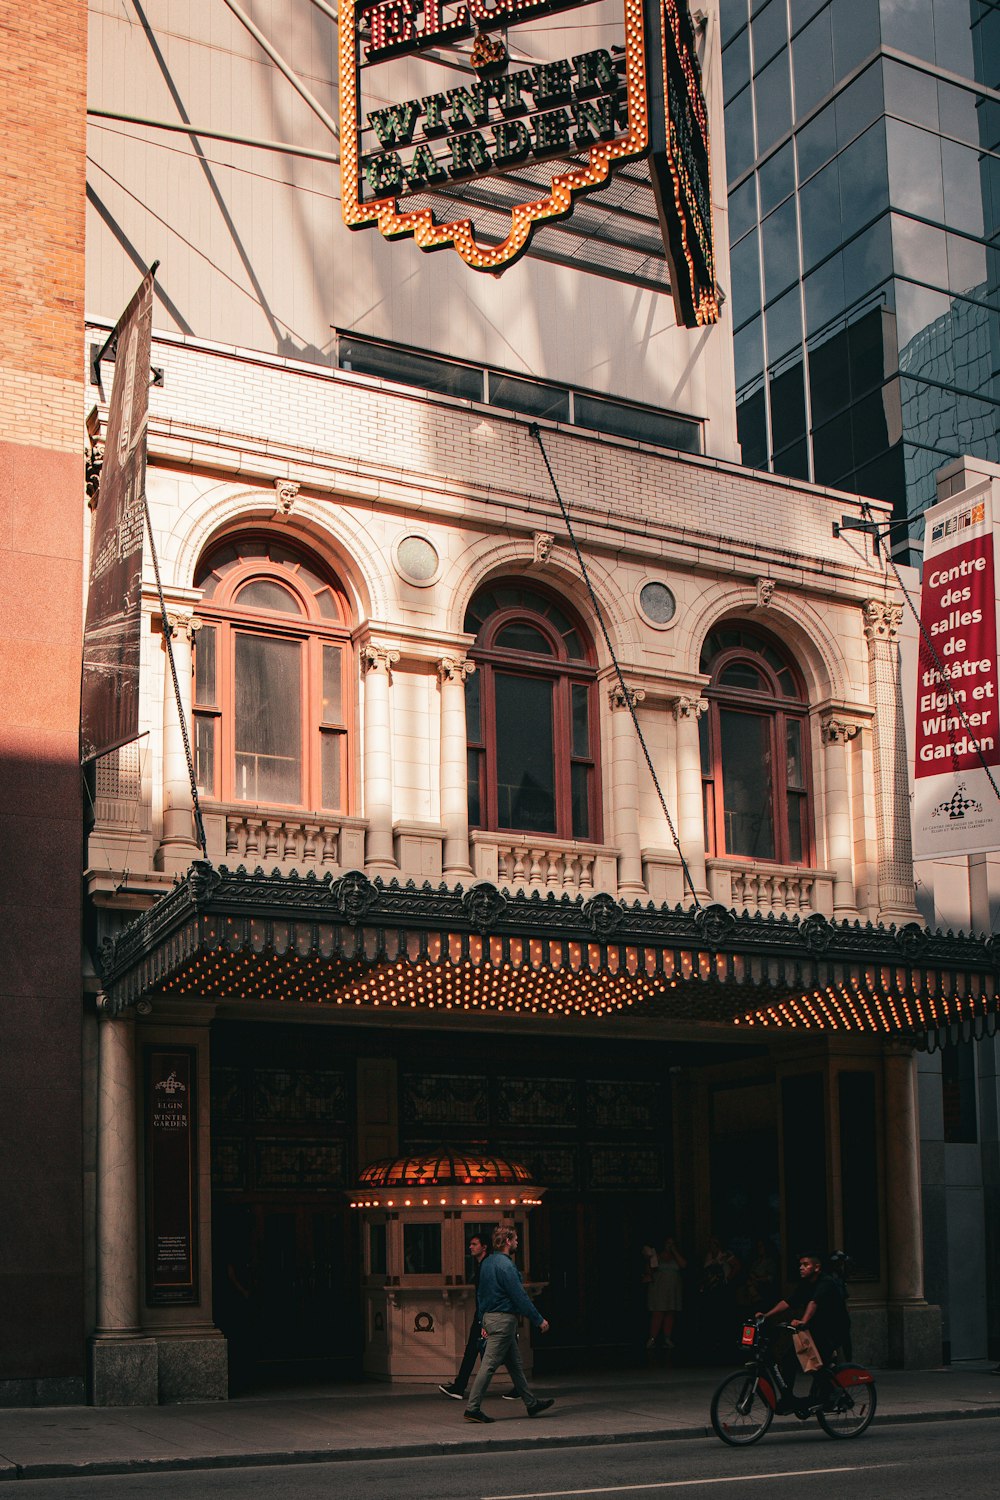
863, 156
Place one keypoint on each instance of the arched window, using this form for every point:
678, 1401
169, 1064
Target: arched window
531, 716
754, 750
271, 697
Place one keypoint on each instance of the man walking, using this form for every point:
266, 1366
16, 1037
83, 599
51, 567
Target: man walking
501, 1299
456, 1390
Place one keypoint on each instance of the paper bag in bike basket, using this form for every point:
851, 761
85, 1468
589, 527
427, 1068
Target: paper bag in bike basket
806, 1350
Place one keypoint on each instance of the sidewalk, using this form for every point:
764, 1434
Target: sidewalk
360, 1422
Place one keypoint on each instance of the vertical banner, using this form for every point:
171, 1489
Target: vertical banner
957, 741
110, 690
171, 1176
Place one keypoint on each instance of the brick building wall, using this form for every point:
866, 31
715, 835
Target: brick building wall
42, 184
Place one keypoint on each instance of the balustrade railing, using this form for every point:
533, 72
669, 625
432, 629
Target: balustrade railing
778, 888
544, 865
284, 841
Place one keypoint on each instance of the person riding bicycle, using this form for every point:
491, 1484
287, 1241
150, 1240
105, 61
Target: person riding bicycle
815, 1303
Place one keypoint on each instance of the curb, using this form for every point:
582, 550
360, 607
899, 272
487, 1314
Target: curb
277, 1459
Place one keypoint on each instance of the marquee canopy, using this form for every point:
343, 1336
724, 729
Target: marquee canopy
244, 936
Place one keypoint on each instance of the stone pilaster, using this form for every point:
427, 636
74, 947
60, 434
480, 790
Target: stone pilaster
377, 663
896, 894
836, 733
178, 845
454, 767
914, 1325
625, 792
690, 813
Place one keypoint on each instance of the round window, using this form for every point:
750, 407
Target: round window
657, 603
417, 559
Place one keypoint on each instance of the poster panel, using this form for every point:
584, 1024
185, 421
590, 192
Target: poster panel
109, 714
171, 1176
957, 740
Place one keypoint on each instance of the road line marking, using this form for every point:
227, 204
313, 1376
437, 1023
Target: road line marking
676, 1484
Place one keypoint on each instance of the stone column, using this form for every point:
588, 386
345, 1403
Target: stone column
914, 1326
625, 792
178, 845
690, 811
896, 894
377, 663
123, 1364
836, 732
453, 671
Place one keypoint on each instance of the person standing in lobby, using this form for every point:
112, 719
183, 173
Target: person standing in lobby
502, 1299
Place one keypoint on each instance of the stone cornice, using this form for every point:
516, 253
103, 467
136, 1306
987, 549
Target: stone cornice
264, 460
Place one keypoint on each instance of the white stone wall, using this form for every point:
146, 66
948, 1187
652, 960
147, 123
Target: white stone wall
374, 463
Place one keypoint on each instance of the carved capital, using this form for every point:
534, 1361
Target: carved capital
619, 697
765, 592
882, 620
834, 730
455, 668
544, 542
689, 708
378, 658
182, 627
286, 491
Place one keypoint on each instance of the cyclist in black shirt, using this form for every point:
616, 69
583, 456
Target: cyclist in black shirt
815, 1303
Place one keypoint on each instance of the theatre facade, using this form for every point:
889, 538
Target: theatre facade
527, 828
441, 903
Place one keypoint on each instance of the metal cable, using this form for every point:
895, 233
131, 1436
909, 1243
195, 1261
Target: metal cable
167, 635
866, 511
535, 432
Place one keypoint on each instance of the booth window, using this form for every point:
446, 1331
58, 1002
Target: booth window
531, 716
271, 674
754, 750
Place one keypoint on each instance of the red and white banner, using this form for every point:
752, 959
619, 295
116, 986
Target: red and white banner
957, 741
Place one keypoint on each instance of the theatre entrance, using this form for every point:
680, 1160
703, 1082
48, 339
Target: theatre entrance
605, 1128
284, 1245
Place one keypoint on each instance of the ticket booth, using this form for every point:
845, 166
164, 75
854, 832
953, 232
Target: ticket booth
417, 1215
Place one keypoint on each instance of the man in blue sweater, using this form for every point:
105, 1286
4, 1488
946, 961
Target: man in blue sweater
501, 1300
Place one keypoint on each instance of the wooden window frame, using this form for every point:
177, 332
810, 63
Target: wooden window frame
779, 709
313, 631
563, 673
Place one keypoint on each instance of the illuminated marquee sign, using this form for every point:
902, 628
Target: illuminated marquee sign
440, 97
679, 167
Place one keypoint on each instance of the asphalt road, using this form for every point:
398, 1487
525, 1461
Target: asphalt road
908, 1462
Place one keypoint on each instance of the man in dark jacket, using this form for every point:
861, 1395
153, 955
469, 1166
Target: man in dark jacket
502, 1299
473, 1347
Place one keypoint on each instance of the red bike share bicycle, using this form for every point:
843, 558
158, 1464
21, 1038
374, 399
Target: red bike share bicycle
744, 1406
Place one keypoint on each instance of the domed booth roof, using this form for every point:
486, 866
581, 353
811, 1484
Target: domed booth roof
446, 1176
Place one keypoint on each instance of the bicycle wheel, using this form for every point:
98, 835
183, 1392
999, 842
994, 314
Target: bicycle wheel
740, 1415
851, 1410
